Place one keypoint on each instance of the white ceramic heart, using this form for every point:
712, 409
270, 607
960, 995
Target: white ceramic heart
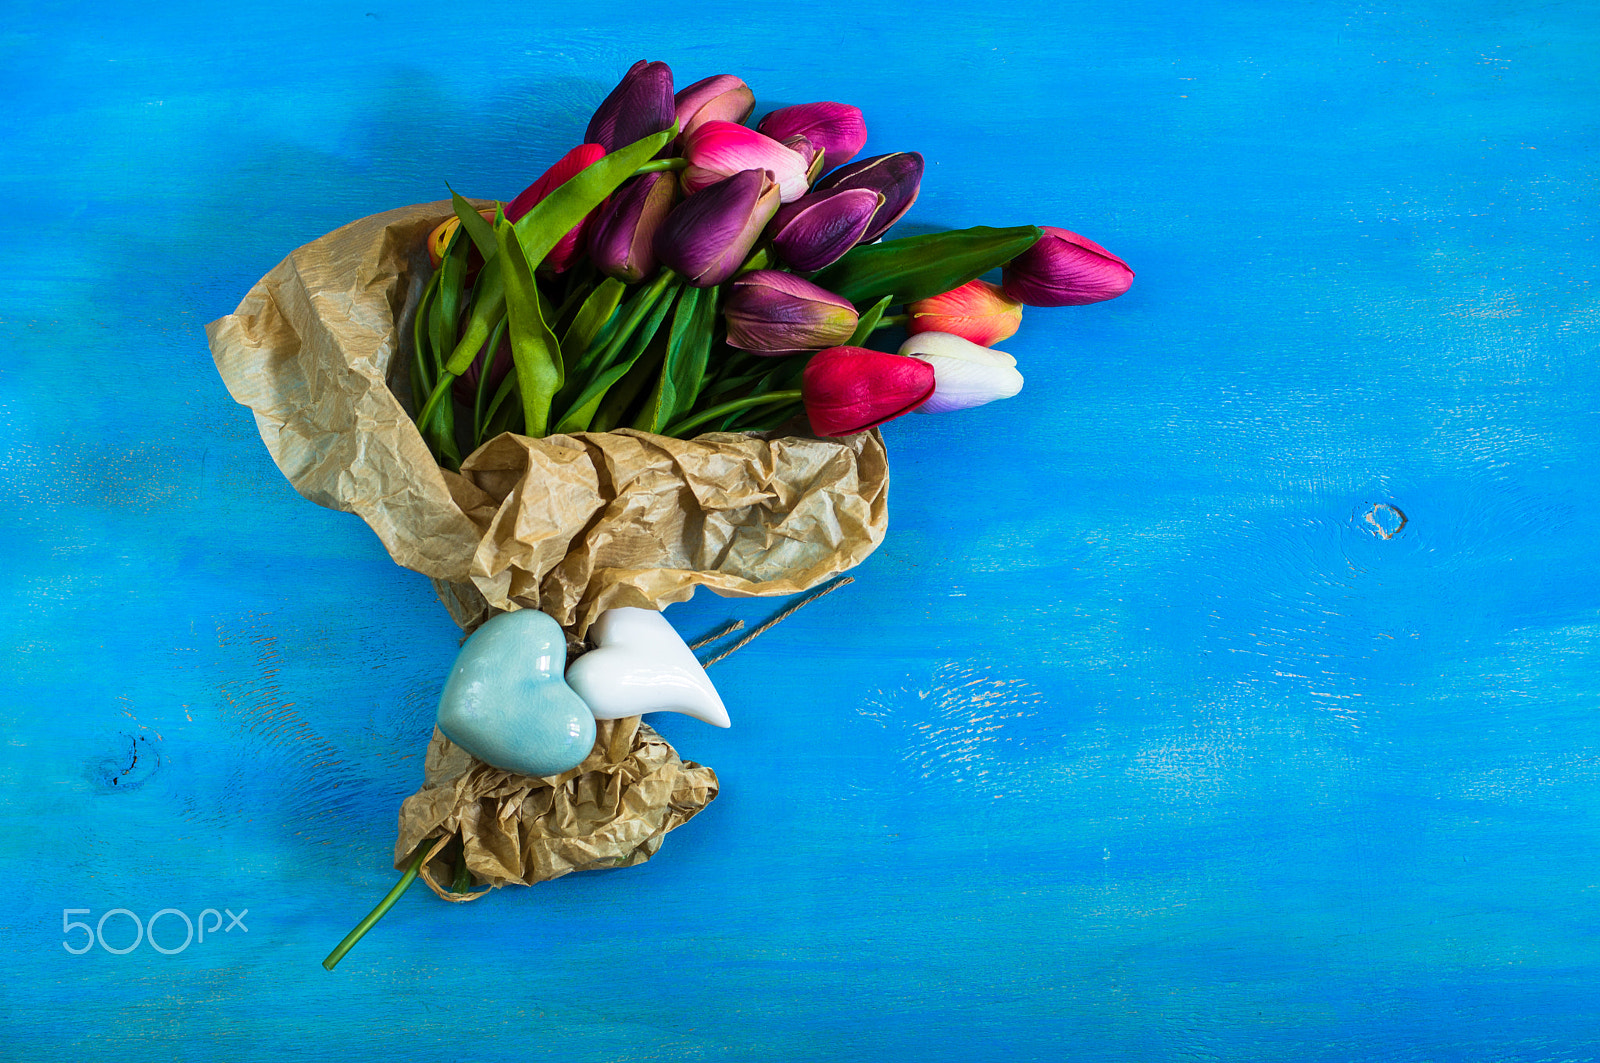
641, 664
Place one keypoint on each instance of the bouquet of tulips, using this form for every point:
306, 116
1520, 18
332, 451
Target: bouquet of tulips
680, 272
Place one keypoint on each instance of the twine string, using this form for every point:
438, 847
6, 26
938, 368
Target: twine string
776, 619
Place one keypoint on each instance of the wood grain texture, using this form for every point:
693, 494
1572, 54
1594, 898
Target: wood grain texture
1144, 736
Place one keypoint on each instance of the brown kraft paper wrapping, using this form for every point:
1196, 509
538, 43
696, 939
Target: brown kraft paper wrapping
570, 524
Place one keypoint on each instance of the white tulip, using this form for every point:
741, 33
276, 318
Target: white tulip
964, 374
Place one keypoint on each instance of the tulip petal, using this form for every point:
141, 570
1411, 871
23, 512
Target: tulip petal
720, 149
719, 98
978, 311
707, 236
816, 230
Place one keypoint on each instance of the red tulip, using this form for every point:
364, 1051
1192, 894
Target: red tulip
1065, 269
570, 246
851, 389
976, 311
836, 128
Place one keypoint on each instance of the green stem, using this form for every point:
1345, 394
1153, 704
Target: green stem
890, 320
658, 165
381, 910
730, 407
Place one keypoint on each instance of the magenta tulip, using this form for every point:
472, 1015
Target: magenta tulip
851, 389
710, 234
716, 150
817, 229
772, 312
977, 311
622, 237
570, 246
719, 98
897, 177
1065, 269
640, 105
836, 128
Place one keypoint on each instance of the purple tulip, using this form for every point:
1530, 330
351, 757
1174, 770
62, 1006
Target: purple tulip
719, 98
1065, 269
897, 177
816, 230
837, 128
622, 237
772, 312
709, 235
640, 105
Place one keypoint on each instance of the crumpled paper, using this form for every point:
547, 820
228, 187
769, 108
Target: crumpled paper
570, 524
610, 811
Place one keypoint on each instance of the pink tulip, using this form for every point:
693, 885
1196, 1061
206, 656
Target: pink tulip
719, 98
773, 312
570, 246
721, 149
976, 311
851, 389
1065, 269
836, 128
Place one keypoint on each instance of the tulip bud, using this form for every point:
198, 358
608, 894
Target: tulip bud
640, 105
570, 246
976, 311
1065, 269
719, 98
772, 312
964, 374
836, 128
439, 239
851, 389
816, 230
709, 235
897, 177
622, 237
721, 149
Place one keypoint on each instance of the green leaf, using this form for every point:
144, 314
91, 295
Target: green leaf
474, 225
542, 227
534, 347
592, 316
684, 367
868, 322
557, 214
588, 401
919, 266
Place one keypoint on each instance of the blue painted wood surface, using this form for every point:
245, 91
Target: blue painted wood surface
1137, 739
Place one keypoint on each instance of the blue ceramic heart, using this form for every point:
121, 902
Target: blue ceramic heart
506, 702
